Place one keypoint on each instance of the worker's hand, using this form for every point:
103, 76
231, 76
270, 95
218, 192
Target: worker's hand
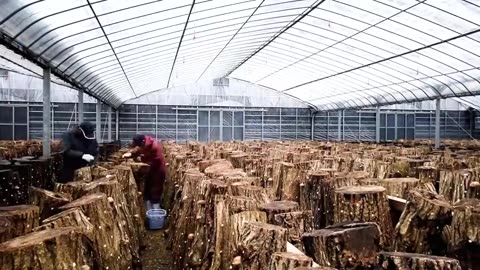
88, 158
127, 155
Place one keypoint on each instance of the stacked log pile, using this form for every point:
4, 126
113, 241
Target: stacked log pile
317, 196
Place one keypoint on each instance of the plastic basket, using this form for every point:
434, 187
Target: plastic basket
156, 218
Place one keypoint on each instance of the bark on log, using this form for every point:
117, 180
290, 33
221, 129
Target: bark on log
23, 218
237, 222
71, 189
47, 201
344, 246
465, 227
289, 261
237, 204
297, 223
258, 242
428, 174
367, 204
62, 249
134, 199
83, 174
123, 218
6, 228
314, 268
399, 187
107, 238
317, 195
460, 184
413, 261
73, 217
419, 229
254, 192
98, 172
238, 160
278, 207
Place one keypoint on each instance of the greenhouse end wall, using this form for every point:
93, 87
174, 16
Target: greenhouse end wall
20, 121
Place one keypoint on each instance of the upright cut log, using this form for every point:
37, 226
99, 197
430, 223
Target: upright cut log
134, 199
317, 195
83, 174
463, 235
237, 222
367, 204
71, 189
460, 184
413, 261
60, 249
254, 192
73, 217
289, 261
237, 204
297, 223
23, 218
399, 187
47, 201
258, 243
344, 246
6, 228
420, 227
107, 238
428, 174
278, 207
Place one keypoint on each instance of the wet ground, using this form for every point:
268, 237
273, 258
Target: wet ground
156, 256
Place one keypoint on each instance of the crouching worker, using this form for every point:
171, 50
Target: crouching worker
80, 149
151, 153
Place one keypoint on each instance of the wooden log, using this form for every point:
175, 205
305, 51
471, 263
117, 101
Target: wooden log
413, 261
419, 229
367, 204
73, 217
236, 224
238, 160
428, 174
22, 218
317, 195
123, 218
62, 249
134, 200
459, 184
13, 187
297, 223
217, 169
314, 268
258, 243
70, 189
98, 172
47, 201
464, 230
289, 261
399, 187
107, 237
254, 192
237, 204
83, 174
278, 207
344, 246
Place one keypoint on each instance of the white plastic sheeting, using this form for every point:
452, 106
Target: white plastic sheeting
333, 54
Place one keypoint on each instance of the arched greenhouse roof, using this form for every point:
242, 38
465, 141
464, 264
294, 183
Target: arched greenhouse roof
332, 54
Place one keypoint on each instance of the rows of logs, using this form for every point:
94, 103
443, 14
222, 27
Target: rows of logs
93, 222
346, 206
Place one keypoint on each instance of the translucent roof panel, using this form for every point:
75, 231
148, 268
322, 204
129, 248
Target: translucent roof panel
333, 54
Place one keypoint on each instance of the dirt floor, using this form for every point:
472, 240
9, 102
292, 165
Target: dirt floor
156, 256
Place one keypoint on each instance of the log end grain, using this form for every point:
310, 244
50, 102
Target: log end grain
359, 190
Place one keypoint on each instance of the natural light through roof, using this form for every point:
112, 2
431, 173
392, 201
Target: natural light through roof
332, 54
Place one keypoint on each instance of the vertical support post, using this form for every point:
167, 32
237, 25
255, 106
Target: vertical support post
472, 123
156, 120
377, 125
437, 123
98, 121
312, 126
109, 120
339, 125
46, 113
117, 128
80, 106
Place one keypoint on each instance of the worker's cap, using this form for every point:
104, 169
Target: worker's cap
88, 130
138, 140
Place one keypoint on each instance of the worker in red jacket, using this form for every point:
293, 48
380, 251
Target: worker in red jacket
151, 153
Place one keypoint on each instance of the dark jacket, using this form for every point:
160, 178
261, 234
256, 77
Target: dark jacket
152, 154
74, 147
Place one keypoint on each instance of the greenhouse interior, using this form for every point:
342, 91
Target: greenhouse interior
239, 134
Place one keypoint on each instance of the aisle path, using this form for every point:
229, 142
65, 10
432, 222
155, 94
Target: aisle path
156, 256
